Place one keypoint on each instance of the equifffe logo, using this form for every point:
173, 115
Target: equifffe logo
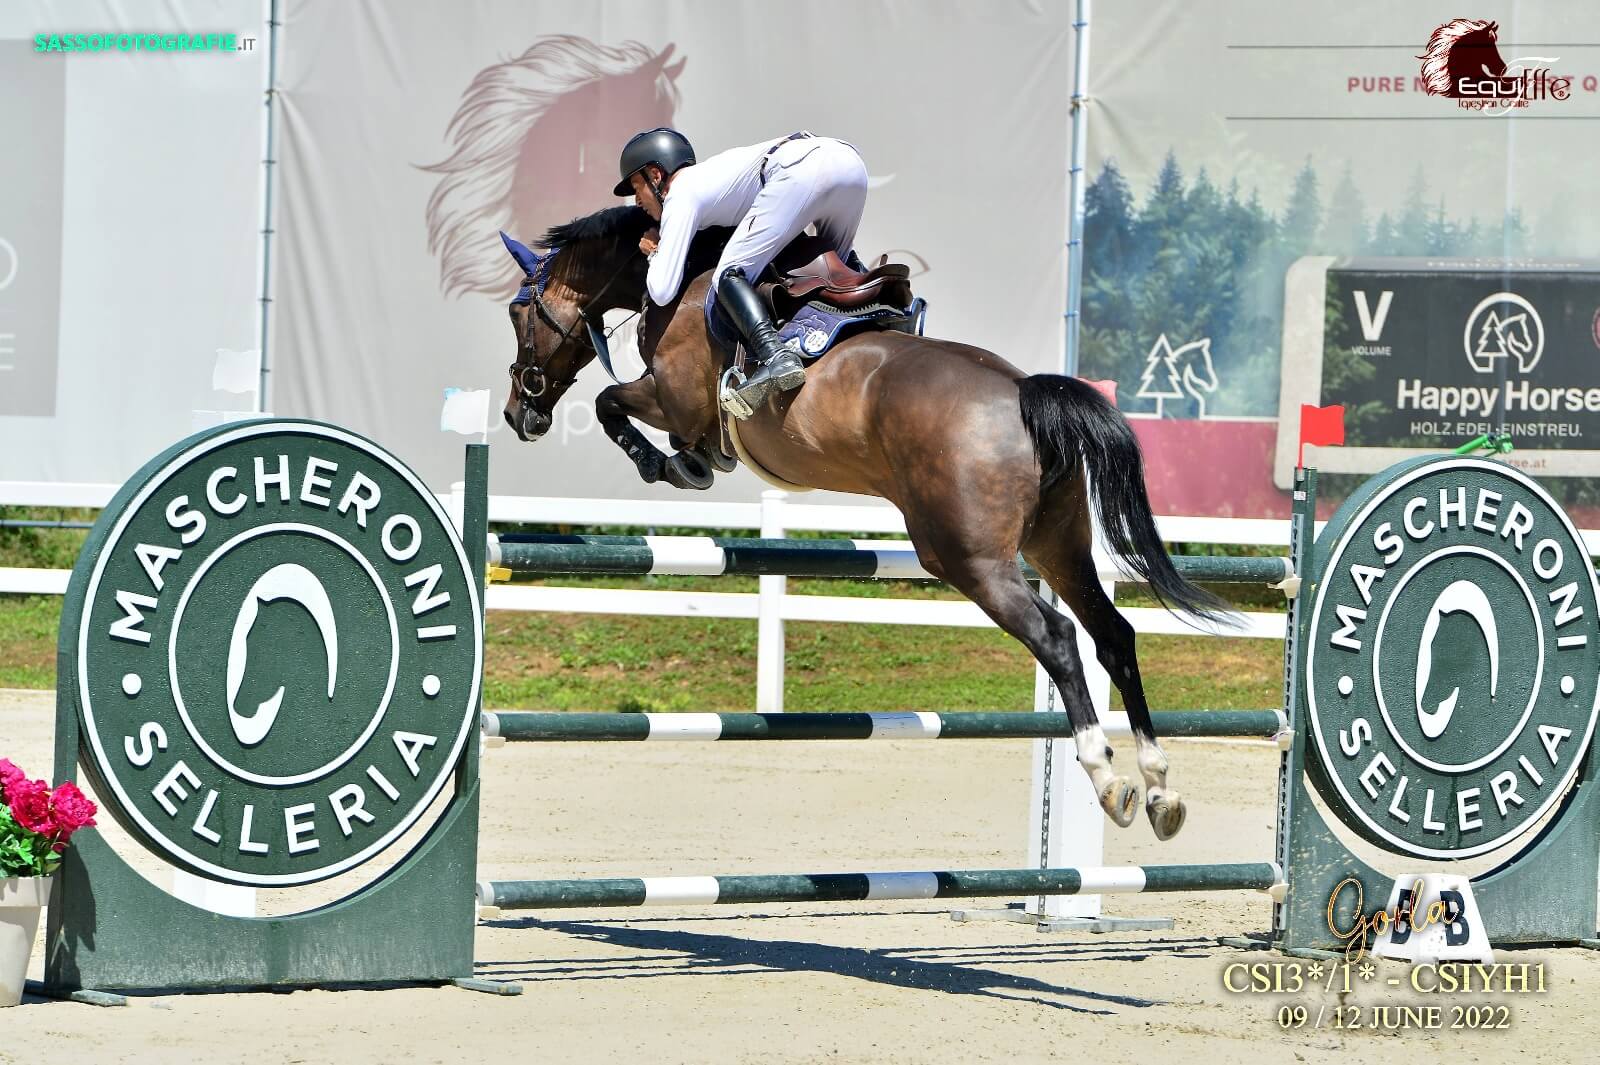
277, 652
1451, 676
1462, 61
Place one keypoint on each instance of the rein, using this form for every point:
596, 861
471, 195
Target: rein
522, 371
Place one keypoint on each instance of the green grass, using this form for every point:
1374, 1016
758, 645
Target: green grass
586, 662
28, 640
590, 662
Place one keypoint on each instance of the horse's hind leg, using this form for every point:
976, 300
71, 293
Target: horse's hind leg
1072, 574
993, 580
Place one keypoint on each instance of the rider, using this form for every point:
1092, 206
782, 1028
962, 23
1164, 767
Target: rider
770, 191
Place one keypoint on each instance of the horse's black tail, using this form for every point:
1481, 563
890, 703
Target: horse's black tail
1071, 422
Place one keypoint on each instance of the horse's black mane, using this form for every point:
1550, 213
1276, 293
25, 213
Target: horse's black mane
614, 223
592, 241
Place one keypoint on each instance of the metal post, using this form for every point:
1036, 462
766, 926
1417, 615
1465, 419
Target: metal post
269, 159
1066, 825
1077, 165
769, 614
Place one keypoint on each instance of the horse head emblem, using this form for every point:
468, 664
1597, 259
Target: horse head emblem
1516, 339
1504, 326
293, 582
1461, 597
1184, 372
1461, 48
535, 142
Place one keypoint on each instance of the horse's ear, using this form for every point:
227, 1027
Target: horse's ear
526, 257
675, 69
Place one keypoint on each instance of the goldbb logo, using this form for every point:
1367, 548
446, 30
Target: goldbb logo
278, 652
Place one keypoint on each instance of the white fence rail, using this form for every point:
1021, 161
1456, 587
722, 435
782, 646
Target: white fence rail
770, 607
815, 517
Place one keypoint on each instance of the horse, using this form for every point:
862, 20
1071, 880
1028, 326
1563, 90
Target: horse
982, 460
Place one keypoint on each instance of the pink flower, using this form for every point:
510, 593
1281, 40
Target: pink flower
9, 775
72, 809
30, 805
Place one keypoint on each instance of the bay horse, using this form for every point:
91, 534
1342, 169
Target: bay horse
983, 461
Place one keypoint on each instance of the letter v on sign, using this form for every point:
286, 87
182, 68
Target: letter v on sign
1372, 324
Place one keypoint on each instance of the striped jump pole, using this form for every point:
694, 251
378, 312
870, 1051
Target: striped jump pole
519, 726
531, 556
858, 887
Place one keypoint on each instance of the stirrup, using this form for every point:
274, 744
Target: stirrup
769, 379
733, 378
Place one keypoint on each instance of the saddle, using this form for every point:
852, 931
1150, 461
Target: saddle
819, 304
828, 279
815, 305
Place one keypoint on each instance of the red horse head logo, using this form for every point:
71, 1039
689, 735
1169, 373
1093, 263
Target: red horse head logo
535, 144
1461, 48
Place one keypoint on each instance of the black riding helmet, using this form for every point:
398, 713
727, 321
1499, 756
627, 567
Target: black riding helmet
663, 146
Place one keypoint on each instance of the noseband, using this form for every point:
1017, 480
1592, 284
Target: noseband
528, 375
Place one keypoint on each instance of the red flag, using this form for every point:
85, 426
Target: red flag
1107, 389
1320, 426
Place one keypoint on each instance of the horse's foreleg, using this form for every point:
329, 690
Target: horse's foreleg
614, 406
618, 405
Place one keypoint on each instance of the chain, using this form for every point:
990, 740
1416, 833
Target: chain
1044, 806
1301, 526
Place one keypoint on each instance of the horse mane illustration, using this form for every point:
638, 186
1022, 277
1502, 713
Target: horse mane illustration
1461, 48
534, 143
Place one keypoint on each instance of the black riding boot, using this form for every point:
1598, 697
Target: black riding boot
777, 367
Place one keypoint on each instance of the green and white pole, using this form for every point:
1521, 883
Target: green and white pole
533, 556
496, 895
567, 727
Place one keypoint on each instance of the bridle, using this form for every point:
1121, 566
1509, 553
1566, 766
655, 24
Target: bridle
528, 376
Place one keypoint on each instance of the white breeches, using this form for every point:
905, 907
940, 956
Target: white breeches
819, 180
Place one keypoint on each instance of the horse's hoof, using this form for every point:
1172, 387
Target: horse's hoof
1167, 813
1120, 800
650, 469
687, 470
723, 463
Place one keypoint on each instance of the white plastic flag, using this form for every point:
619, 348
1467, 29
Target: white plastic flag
465, 412
236, 371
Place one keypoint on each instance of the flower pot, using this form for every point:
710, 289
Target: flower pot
21, 899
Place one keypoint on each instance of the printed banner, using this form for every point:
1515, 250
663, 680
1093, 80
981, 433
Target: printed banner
130, 227
415, 133
1431, 352
1230, 142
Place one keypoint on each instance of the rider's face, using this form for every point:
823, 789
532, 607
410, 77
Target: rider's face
644, 196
